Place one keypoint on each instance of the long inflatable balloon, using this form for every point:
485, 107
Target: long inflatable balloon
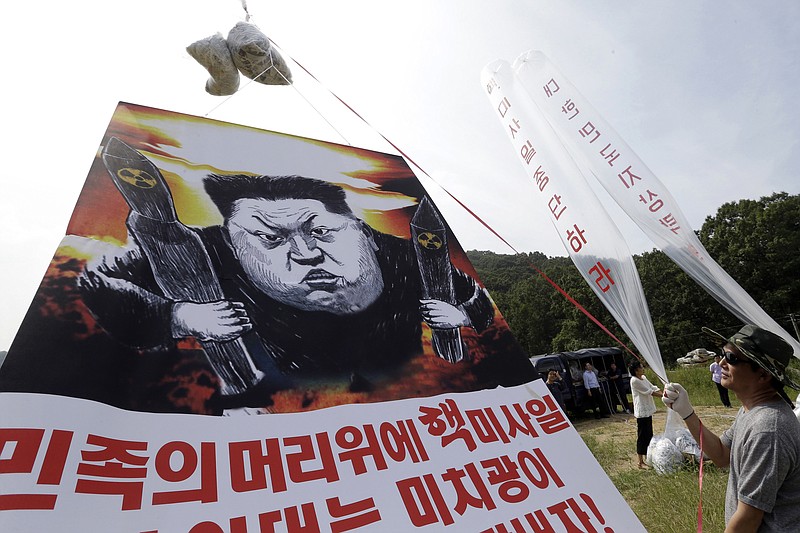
591, 238
643, 197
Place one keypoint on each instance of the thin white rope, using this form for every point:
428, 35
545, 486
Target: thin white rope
309, 103
272, 65
234, 94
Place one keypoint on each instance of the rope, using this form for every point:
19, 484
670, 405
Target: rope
271, 65
470, 211
237, 92
700, 483
408, 158
306, 99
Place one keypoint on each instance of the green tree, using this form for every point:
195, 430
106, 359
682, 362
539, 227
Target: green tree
542, 319
757, 243
679, 307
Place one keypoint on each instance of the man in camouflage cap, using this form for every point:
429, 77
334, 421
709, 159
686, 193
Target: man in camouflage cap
762, 447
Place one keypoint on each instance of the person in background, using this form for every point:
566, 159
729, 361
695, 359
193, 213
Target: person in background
716, 377
614, 376
592, 386
797, 407
643, 409
557, 387
762, 447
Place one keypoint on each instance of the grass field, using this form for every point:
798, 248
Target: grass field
665, 503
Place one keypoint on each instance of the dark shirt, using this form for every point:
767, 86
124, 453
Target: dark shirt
615, 377
557, 389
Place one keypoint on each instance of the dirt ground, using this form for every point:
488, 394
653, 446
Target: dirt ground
621, 428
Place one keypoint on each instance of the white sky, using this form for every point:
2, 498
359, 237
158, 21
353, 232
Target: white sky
704, 92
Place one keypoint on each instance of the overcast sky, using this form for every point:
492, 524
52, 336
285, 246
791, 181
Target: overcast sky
704, 92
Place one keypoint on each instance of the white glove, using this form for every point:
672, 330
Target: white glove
676, 398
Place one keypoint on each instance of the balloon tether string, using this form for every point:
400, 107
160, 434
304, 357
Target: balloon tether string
472, 213
451, 195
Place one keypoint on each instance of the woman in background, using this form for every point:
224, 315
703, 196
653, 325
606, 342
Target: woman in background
643, 408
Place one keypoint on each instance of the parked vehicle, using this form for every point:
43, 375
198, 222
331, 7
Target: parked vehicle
571, 364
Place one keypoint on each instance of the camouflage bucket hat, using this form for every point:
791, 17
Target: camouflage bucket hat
767, 350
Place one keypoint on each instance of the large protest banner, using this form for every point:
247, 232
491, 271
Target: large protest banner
210, 267
216, 269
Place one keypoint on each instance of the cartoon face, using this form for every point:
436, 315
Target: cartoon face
301, 254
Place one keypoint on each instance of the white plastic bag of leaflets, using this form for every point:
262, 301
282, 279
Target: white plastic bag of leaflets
668, 451
246, 50
255, 57
213, 54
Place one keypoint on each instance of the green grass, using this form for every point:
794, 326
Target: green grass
664, 503
667, 503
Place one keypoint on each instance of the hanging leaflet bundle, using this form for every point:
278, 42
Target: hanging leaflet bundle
255, 57
246, 50
213, 53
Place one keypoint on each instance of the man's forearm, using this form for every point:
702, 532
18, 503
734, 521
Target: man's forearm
746, 519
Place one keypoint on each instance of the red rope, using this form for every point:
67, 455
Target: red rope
544, 276
700, 483
534, 267
475, 216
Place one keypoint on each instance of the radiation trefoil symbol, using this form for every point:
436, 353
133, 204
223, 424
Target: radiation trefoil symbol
429, 240
137, 177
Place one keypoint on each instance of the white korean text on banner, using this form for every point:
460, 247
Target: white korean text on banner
637, 190
589, 235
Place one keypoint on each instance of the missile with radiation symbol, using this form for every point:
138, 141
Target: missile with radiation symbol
179, 261
429, 238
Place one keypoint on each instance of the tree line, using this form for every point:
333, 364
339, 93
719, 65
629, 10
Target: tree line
756, 241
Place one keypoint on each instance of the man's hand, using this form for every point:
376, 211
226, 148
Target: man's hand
213, 321
676, 398
442, 315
